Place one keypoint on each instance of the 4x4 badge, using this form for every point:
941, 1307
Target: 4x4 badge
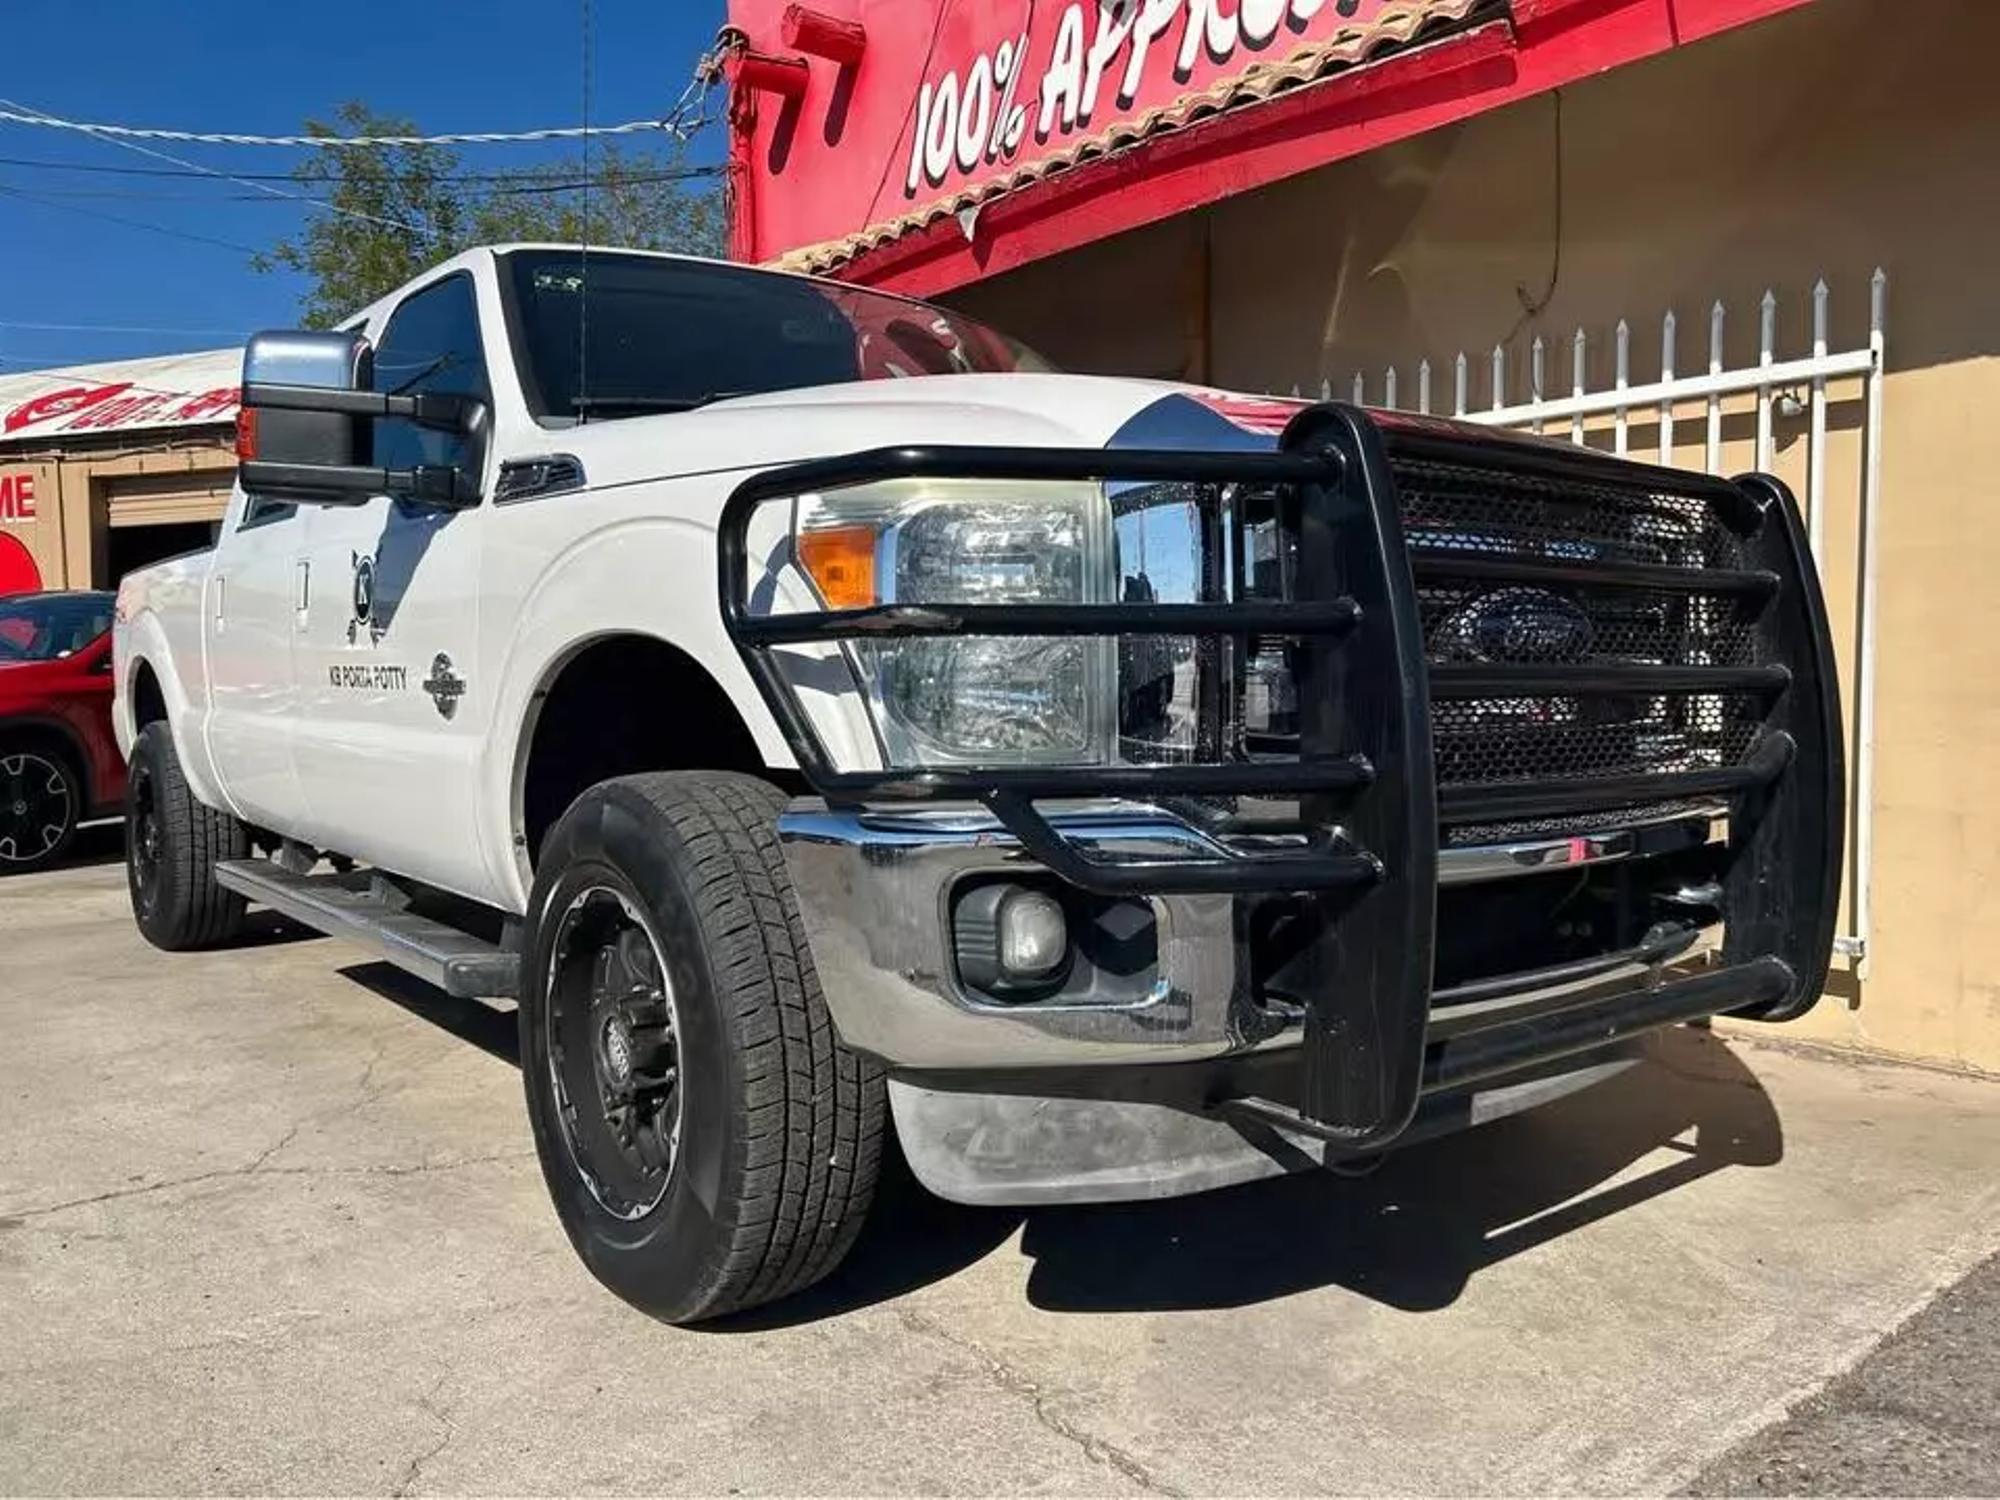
445, 686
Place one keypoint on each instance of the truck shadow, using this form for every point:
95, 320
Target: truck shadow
1410, 1236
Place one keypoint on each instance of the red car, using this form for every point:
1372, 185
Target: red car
59, 765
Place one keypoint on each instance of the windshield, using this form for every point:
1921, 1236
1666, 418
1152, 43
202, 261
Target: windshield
652, 334
42, 627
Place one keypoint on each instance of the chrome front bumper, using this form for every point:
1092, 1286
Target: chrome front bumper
873, 889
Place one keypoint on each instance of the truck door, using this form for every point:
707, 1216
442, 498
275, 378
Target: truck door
392, 713
251, 617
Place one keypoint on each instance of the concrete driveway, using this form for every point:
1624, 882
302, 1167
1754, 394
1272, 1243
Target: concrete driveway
270, 1220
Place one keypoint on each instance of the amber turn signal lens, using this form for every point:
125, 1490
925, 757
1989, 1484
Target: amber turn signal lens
840, 560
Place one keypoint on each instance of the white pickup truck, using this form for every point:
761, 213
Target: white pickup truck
823, 718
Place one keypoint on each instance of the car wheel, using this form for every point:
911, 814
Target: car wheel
172, 845
41, 801
709, 1143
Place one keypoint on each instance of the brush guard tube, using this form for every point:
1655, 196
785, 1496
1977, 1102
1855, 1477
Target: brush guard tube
1363, 769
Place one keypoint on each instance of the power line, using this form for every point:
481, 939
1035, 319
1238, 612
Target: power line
510, 186
514, 175
93, 213
320, 142
14, 106
190, 333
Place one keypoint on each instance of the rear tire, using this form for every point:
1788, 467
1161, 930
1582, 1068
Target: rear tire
41, 802
172, 845
709, 1143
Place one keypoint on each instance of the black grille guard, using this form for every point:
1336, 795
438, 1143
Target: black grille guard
1364, 767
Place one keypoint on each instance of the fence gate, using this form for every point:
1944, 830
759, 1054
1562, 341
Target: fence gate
1674, 398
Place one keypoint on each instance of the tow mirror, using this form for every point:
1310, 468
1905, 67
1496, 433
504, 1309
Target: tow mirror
305, 430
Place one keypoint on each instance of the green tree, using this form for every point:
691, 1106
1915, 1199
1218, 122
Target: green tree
394, 210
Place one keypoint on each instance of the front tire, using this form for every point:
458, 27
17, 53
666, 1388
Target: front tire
41, 802
708, 1142
172, 845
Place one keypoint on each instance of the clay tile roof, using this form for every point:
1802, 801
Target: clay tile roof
1397, 25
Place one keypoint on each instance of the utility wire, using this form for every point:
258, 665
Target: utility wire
93, 213
190, 333
15, 108
515, 175
514, 188
17, 116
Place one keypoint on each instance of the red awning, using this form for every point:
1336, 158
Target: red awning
958, 138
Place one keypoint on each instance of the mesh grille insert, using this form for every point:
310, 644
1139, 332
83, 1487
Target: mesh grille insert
1453, 508
1484, 740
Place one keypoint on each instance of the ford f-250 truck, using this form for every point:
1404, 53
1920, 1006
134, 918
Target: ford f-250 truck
823, 718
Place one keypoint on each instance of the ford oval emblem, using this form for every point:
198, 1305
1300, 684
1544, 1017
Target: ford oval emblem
1520, 625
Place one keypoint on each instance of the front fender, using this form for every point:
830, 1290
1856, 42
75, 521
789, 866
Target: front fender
645, 575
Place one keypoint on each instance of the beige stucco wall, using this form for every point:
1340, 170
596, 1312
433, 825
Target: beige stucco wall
73, 487
1846, 135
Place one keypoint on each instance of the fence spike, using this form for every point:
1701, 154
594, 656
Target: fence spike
1816, 459
1325, 388
1462, 385
1537, 373
1577, 364
1295, 390
1767, 352
1717, 317
1668, 326
1621, 419
1499, 376
1424, 386
1389, 389
1360, 389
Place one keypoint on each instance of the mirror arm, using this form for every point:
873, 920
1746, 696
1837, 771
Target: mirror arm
356, 484
439, 410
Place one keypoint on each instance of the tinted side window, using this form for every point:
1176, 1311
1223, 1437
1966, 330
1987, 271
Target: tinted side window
431, 344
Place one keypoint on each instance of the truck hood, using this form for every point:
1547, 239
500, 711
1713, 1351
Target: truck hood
747, 433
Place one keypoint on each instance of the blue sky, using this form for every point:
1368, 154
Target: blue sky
225, 65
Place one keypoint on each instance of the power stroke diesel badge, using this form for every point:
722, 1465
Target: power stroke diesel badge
445, 686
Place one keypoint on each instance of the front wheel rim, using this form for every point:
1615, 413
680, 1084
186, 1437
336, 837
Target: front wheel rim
612, 1029
36, 807
143, 840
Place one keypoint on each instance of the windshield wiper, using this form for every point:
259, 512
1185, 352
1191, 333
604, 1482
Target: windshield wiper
643, 402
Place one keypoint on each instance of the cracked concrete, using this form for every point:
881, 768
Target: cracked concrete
1015, 1383
270, 1221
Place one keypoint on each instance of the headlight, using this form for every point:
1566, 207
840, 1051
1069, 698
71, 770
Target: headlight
988, 699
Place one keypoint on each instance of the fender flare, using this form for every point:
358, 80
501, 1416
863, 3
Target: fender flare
142, 641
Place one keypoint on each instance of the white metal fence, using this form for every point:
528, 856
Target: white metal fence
1777, 384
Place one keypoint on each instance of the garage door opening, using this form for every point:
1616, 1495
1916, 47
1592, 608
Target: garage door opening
155, 516
129, 549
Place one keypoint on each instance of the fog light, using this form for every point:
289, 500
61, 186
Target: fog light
1034, 936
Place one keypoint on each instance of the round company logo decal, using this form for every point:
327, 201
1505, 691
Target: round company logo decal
364, 590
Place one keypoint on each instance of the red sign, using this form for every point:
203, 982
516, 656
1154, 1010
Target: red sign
949, 95
1084, 67
156, 391
85, 408
18, 573
17, 495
